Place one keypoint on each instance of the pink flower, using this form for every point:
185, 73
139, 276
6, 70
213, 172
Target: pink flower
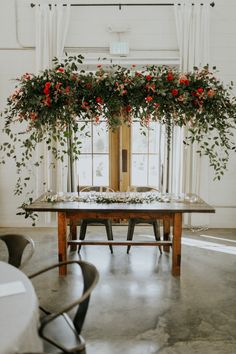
26, 76
33, 115
97, 119
210, 93
47, 101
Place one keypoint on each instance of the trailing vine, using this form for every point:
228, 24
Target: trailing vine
46, 108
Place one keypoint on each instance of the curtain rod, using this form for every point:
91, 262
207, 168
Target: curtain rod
212, 4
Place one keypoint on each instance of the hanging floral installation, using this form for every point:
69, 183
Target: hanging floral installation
47, 107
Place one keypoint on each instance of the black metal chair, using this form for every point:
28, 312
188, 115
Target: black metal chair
106, 222
16, 244
133, 221
59, 332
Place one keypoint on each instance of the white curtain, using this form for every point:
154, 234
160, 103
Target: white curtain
192, 24
51, 23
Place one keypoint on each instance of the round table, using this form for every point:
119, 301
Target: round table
19, 316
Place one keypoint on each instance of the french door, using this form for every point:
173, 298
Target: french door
129, 156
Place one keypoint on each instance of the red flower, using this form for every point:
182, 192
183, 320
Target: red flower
148, 98
183, 80
170, 76
200, 90
88, 86
67, 89
148, 77
174, 92
46, 88
60, 70
99, 100
99, 66
128, 109
133, 65
156, 105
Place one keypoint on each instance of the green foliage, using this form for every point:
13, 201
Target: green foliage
48, 106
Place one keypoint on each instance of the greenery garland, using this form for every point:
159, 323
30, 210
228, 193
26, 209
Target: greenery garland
47, 107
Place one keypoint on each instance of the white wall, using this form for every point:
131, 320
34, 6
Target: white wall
152, 38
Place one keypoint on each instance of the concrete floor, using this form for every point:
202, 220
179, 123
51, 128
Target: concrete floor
138, 307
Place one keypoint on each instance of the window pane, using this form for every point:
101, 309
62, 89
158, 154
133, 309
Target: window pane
153, 171
139, 170
101, 170
139, 140
85, 137
100, 138
154, 137
84, 170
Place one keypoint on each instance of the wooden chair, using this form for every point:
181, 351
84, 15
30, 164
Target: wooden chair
106, 222
59, 332
16, 245
133, 221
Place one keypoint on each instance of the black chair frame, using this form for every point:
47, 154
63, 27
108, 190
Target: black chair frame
90, 279
16, 245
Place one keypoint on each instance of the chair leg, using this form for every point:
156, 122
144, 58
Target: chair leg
156, 229
130, 232
83, 229
108, 225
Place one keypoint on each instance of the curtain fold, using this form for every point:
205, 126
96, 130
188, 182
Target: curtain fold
51, 27
192, 25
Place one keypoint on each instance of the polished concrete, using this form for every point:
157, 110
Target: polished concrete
138, 307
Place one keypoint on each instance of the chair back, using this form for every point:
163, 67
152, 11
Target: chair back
96, 189
90, 278
142, 189
16, 245
52, 324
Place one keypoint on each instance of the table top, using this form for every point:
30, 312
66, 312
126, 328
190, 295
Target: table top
19, 314
190, 204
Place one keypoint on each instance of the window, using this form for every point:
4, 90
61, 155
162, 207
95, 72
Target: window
146, 158
93, 163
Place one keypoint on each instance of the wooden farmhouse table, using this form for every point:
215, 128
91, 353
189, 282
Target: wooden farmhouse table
70, 212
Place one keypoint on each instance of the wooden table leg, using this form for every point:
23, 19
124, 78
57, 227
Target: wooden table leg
73, 235
166, 236
62, 241
176, 244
